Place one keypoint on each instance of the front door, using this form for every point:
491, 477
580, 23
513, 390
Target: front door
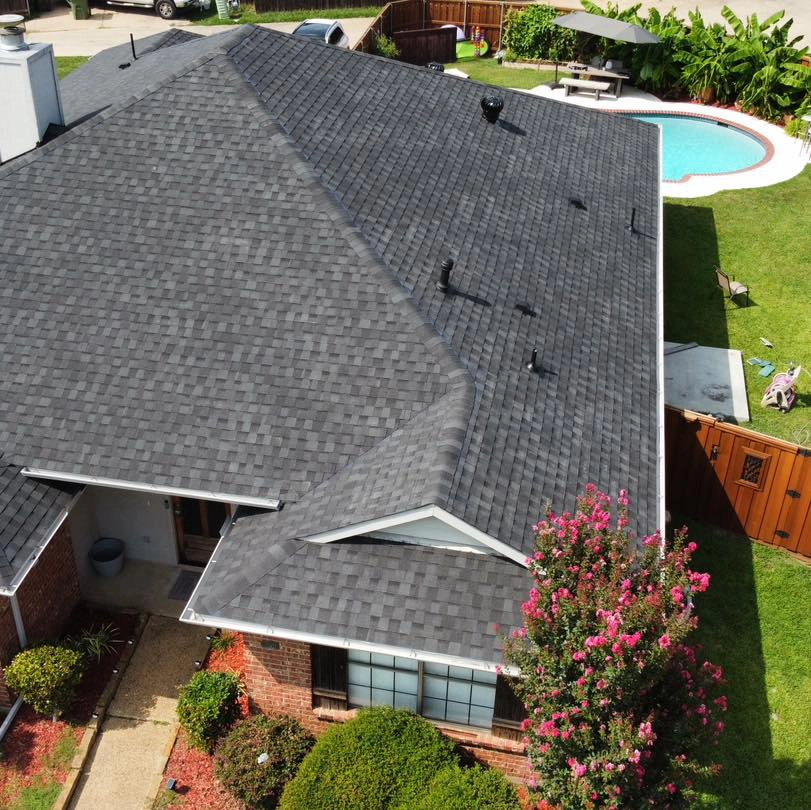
198, 525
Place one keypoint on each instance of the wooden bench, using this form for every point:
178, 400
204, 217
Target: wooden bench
584, 84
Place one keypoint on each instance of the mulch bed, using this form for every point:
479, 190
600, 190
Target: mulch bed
31, 741
194, 770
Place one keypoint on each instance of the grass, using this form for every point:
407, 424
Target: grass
490, 72
755, 622
67, 64
759, 237
249, 15
44, 791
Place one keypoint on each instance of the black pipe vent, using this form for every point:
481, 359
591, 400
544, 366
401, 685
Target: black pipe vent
445, 275
492, 107
534, 366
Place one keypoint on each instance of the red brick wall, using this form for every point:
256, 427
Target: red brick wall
279, 682
46, 596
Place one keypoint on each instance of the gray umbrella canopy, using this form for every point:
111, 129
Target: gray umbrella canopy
607, 27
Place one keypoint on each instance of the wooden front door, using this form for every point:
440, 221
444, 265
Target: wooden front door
198, 525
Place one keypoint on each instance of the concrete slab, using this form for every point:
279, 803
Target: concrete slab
122, 768
109, 26
706, 380
141, 585
163, 662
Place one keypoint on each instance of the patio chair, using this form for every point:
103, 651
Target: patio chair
731, 287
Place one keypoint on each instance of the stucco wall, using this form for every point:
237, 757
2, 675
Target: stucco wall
142, 520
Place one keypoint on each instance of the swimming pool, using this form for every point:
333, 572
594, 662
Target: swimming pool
694, 145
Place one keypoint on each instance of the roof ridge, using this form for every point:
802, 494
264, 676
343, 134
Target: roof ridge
229, 39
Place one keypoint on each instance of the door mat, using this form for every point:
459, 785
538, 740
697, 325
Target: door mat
183, 586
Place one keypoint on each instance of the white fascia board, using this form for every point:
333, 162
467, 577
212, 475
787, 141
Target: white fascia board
134, 486
404, 518
11, 589
367, 526
660, 352
191, 617
485, 539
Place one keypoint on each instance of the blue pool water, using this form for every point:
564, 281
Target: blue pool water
701, 146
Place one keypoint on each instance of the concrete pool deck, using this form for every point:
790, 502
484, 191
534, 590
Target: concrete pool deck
787, 157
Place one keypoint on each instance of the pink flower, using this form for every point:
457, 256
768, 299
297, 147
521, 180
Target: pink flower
671, 788
664, 642
602, 684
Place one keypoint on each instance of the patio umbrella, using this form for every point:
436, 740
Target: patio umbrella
607, 27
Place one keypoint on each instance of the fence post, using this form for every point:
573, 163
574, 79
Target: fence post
500, 27
464, 23
423, 12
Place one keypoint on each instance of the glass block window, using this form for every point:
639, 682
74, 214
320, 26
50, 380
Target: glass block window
382, 680
458, 695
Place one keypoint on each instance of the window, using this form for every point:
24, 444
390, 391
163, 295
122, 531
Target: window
753, 468
458, 695
383, 680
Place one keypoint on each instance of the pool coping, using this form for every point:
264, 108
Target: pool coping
765, 142
785, 159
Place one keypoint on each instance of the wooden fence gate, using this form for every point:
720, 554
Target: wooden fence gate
737, 479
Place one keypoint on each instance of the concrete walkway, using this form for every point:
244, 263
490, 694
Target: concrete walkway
112, 25
125, 767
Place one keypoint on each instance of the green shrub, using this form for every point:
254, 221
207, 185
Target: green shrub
532, 34
465, 788
797, 128
385, 46
46, 677
223, 641
383, 758
207, 705
260, 784
95, 643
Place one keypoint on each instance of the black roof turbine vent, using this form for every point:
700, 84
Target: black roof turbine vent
445, 275
492, 107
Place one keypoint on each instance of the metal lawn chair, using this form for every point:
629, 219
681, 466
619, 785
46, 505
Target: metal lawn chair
730, 287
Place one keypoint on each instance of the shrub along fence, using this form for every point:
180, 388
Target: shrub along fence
409, 15
738, 479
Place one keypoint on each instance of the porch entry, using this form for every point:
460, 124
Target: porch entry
198, 524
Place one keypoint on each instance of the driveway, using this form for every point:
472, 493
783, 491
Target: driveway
110, 26
126, 765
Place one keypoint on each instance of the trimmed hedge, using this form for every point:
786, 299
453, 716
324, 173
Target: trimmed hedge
467, 788
208, 704
46, 677
237, 766
382, 759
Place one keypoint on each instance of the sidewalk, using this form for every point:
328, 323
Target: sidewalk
127, 762
109, 26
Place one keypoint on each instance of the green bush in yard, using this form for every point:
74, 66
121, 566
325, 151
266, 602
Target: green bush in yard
258, 783
386, 46
46, 677
532, 34
383, 758
207, 705
465, 788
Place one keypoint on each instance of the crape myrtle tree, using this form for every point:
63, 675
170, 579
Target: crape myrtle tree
618, 702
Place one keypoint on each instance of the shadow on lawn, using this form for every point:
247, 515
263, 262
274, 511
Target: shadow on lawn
730, 632
695, 307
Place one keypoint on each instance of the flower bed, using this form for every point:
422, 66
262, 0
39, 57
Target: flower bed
37, 751
197, 789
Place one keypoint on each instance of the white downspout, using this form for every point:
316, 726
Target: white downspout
23, 639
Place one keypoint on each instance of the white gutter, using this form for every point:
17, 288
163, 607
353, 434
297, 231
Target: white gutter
114, 483
11, 589
660, 351
192, 617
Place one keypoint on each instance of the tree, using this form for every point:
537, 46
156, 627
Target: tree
617, 700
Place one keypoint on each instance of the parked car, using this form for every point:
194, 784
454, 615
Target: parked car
166, 9
330, 31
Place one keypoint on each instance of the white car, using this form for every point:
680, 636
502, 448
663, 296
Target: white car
329, 30
166, 9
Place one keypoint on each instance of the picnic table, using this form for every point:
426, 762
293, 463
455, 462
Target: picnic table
581, 71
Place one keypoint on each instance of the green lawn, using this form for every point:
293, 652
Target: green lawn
67, 64
763, 239
249, 15
490, 72
756, 623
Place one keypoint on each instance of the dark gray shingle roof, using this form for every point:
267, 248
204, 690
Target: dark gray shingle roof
232, 330
28, 509
411, 596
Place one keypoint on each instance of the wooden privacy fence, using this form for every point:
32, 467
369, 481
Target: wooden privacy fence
739, 480
426, 45
263, 6
409, 15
